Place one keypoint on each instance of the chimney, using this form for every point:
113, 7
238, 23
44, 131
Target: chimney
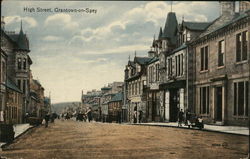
244, 6
227, 8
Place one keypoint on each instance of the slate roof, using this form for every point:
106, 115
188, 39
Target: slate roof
117, 97
20, 40
106, 88
197, 26
183, 46
171, 28
142, 60
160, 34
11, 85
154, 59
131, 63
218, 23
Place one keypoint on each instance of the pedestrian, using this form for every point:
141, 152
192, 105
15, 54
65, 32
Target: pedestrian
140, 116
188, 118
89, 114
135, 116
46, 118
180, 117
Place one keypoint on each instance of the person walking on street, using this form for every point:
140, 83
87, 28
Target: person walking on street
140, 116
188, 118
89, 114
180, 117
46, 118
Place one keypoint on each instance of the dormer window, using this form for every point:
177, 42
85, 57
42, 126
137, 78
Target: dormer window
188, 37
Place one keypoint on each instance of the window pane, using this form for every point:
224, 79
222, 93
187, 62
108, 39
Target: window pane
206, 57
204, 101
221, 53
19, 63
244, 45
207, 100
202, 59
176, 66
238, 47
235, 98
247, 89
179, 66
240, 98
200, 100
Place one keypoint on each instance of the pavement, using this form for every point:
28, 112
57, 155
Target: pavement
19, 129
237, 130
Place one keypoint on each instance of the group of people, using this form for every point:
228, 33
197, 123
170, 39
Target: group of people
189, 119
139, 116
49, 117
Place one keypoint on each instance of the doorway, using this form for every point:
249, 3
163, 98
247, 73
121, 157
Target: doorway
173, 105
218, 103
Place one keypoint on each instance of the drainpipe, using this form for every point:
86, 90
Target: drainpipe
187, 50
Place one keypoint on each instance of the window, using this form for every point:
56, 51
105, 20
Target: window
157, 72
221, 51
19, 63
132, 89
188, 37
204, 100
241, 98
139, 87
24, 86
170, 67
19, 84
3, 72
241, 46
181, 64
176, 66
135, 88
204, 58
24, 64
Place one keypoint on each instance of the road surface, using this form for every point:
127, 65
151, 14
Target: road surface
80, 140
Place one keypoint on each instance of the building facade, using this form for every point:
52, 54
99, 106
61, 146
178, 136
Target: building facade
221, 58
115, 107
13, 112
3, 81
135, 79
16, 46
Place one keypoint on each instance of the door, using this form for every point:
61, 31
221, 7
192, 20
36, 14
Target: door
218, 103
173, 105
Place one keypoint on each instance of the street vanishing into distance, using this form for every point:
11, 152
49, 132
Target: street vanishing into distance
71, 139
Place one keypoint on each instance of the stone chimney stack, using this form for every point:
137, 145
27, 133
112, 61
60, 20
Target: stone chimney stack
227, 8
244, 6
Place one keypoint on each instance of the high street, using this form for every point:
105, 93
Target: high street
71, 139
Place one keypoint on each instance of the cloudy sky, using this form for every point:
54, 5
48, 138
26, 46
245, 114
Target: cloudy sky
79, 51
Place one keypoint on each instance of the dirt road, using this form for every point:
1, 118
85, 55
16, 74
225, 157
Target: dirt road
80, 140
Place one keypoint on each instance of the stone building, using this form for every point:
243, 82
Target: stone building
108, 92
152, 89
3, 81
221, 58
135, 81
115, 107
36, 106
13, 112
16, 46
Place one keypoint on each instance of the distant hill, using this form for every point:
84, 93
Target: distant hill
58, 107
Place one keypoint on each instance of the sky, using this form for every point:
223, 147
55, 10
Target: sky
79, 51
